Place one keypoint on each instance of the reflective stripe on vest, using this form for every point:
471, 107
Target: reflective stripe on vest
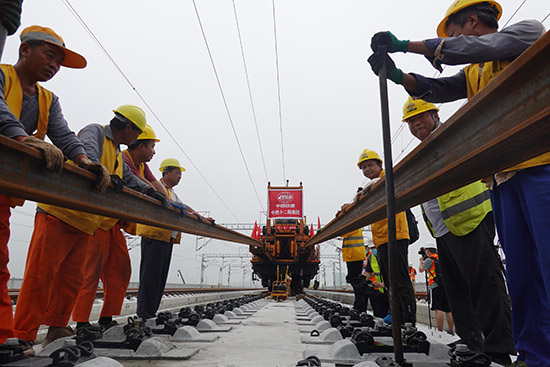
86, 222
13, 94
353, 246
477, 77
466, 218
431, 272
376, 269
465, 205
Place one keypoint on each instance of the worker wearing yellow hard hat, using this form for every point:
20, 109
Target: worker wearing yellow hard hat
156, 245
107, 256
139, 153
462, 223
370, 164
469, 34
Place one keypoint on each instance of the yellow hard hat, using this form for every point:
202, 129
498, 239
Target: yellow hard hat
367, 155
459, 5
148, 134
134, 114
170, 162
415, 107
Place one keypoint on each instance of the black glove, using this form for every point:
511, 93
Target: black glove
157, 195
390, 41
181, 207
10, 15
117, 183
377, 60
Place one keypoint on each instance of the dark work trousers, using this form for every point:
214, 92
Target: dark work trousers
153, 272
473, 278
379, 303
355, 269
405, 292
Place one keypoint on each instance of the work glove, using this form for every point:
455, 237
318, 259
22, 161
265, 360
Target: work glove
52, 155
390, 41
181, 207
102, 173
118, 184
377, 60
157, 195
10, 15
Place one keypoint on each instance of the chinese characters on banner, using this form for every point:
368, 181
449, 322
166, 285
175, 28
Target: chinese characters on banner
284, 203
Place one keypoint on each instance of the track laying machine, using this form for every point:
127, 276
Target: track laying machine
284, 236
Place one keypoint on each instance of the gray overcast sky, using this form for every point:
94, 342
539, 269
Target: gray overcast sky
329, 96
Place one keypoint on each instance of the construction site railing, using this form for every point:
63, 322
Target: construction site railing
506, 123
23, 175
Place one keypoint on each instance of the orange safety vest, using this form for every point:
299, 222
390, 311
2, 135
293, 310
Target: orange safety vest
412, 273
13, 94
431, 272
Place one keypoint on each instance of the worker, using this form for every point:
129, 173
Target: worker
412, 276
371, 166
29, 112
58, 228
107, 257
469, 33
353, 254
475, 289
157, 244
379, 295
429, 262
139, 153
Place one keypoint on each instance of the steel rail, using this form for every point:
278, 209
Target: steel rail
23, 175
506, 123
14, 293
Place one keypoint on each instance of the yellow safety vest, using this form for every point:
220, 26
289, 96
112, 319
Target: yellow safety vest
380, 228
13, 94
131, 227
376, 269
477, 77
463, 209
155, 233
353, 246
87, 222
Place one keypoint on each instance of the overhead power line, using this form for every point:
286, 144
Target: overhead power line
104, 50
249, 90
225, 103
279, 90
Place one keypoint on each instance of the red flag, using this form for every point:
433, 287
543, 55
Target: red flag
311, 231
318, 223
255, 231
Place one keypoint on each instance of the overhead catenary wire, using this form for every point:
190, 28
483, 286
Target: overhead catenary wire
225, 103
112, 60
279, 89
249, 90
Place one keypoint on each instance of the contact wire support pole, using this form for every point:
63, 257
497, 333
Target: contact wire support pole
390, 214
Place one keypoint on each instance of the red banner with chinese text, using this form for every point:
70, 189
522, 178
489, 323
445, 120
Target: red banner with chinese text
284, 203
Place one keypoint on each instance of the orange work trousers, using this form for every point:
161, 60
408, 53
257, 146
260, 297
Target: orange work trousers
107, 259
6, 310
53, 276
